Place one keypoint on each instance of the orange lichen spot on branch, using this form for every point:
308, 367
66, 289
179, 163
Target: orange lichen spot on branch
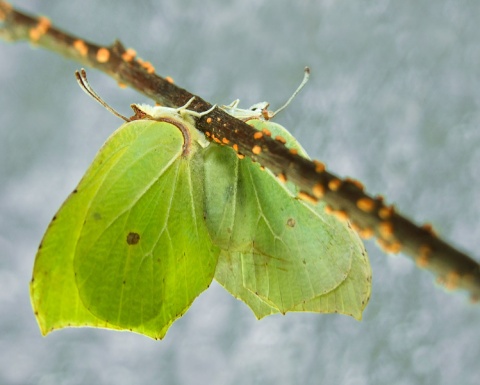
256, 149
258, 135
266, 131
366, 233
334, 184
318, 190
328, 209
423, 256
355, 182
103, 55
40, 29
219, 119
129, 55
366, 204
122, 85
394, 247
44, 23
429, 228
307, 197
169, 79
80, 46
390, 247
5, 9
235, 147
208, 134
240, 156
293, 151
451, 280
319, 166
225, 141
340, 215
282, 178
209, 120
385, 229
280, 139
34, 35
386, 212
148, 67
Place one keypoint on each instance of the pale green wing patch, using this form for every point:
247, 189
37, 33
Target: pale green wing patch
278, 253
129, 248
229, 274
352, 296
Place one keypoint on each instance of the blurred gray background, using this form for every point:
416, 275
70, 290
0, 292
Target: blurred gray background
394, 101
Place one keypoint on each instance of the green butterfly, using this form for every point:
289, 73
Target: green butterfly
162, 211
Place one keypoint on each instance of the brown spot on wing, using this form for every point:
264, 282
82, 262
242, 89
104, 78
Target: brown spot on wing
133, 238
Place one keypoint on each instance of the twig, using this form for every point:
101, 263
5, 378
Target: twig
345, 198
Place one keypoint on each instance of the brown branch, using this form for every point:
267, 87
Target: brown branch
345, 198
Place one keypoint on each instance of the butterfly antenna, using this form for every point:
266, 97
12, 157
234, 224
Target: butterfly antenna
85, 86
306, 76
